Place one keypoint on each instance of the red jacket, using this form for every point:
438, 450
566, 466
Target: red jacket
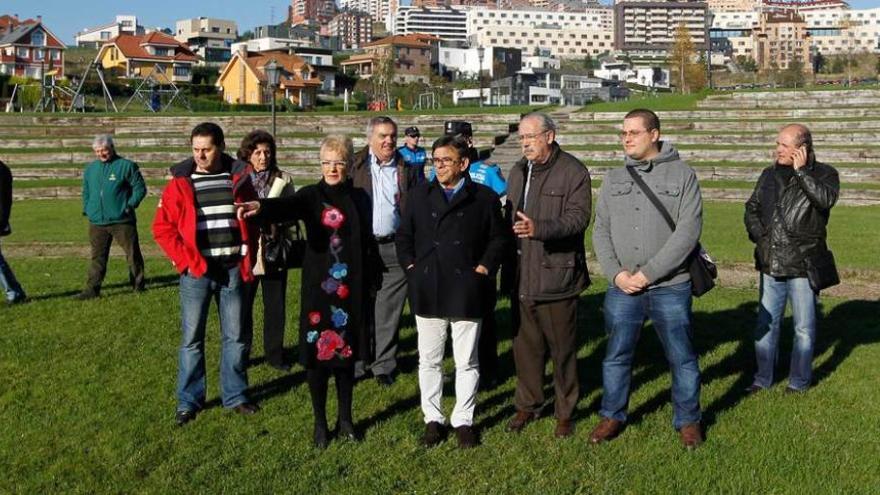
174, 227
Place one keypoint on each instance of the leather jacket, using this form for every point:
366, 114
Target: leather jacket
787, 214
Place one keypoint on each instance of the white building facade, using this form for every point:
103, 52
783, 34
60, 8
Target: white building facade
97, 36
446, 23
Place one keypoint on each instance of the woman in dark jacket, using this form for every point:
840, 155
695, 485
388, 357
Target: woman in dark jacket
338, 280
258, 150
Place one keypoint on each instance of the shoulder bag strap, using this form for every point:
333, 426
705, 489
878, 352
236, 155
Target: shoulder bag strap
651, 197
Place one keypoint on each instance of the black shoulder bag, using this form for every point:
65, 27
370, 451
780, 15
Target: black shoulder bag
281, 252
700, 265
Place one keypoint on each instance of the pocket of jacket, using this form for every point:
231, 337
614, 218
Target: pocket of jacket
557, 272
620, 188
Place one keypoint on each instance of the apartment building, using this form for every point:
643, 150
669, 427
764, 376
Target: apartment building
447, 23
780, 39
209, 38
649, 27
352, 28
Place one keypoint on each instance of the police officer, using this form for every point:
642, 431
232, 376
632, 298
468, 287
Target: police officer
413, 154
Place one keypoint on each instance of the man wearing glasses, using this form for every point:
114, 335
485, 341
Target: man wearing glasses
451, 238
549, 207
379, 170
645, 262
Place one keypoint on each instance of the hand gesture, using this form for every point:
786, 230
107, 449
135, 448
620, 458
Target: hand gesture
247, 209
799, 157
524, 227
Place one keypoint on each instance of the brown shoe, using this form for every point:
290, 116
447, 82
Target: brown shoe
606, 430
520, 420
691, 435
564, 428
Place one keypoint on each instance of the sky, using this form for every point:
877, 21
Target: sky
67, 17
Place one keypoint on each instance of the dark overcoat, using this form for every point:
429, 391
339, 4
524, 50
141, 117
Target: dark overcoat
339, 274
445, 241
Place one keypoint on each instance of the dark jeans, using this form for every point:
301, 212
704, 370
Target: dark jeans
669, 309
100, 237
274, 314
546, 325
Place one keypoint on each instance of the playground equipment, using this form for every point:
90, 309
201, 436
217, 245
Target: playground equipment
78, 101
157, 92
427, 101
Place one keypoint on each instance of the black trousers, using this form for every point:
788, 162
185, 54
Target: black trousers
318, 379
100, 238
274, 314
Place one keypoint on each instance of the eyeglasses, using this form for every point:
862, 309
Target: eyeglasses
632, 134
530, 137
445, 161
329, 164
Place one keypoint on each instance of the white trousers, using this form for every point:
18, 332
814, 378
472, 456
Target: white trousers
432, 342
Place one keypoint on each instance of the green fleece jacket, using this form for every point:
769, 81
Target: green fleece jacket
112, 191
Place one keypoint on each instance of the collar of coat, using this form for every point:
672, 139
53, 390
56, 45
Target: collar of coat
554, 154
435, 193
227, 164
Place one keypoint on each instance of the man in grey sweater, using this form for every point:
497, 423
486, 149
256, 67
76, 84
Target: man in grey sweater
645, 262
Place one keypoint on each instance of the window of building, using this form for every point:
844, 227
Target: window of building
22, 52
38, 38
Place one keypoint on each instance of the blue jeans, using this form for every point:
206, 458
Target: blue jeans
774, 294
226, 288
10, 285
669, 308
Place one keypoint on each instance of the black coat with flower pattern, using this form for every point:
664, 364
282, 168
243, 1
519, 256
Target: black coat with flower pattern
338, 280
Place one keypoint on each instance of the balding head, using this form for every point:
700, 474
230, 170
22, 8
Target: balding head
791, 138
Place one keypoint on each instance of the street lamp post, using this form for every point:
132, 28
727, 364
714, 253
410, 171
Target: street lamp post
273, 75
480, 52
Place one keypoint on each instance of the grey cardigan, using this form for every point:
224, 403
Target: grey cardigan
630, 234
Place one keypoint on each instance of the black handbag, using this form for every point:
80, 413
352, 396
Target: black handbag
821, 270
701, 268
281, 252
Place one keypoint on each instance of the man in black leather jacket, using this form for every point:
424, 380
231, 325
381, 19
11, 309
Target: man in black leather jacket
786, 218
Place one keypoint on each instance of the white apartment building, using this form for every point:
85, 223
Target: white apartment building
832, 31
478, 18
446, 23
97, 36
209, 38
562, 34
559, 42
531, 63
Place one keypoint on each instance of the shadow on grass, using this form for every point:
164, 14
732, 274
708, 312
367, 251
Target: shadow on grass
152, 283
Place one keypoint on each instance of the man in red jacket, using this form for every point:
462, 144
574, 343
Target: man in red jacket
213, 251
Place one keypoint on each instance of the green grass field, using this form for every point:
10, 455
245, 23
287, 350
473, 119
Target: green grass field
87, 399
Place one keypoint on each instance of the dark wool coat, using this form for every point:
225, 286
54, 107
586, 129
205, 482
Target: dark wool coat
339, 271
445, 241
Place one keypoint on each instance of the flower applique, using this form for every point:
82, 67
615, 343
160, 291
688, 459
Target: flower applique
338, 316
330, 285
339, 271
311, 337
328, 343
342, 291
315, 317
331, 217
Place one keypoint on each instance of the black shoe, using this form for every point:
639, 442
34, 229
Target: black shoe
345, 430
184, 417
85, 295
434, 434
754, 389
385, 380
794, 391
246, 409
321, 437
467, 438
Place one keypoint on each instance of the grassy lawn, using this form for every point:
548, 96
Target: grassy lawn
88, 397
89, 400
659, 102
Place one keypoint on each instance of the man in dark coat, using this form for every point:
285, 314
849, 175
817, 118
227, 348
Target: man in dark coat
786, 218
451, 236
12, 289
379, 170
549, 205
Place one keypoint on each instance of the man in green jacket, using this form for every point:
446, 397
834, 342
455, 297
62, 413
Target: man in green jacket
112, 188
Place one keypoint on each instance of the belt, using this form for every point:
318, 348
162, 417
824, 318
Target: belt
384, 239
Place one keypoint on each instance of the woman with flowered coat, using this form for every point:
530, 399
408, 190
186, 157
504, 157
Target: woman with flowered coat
338, 280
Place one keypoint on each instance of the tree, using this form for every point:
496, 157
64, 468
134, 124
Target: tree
793, 76
746, 63
383, 77
686, 74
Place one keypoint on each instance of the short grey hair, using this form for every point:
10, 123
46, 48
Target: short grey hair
379, 120
103, 140
547, 123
